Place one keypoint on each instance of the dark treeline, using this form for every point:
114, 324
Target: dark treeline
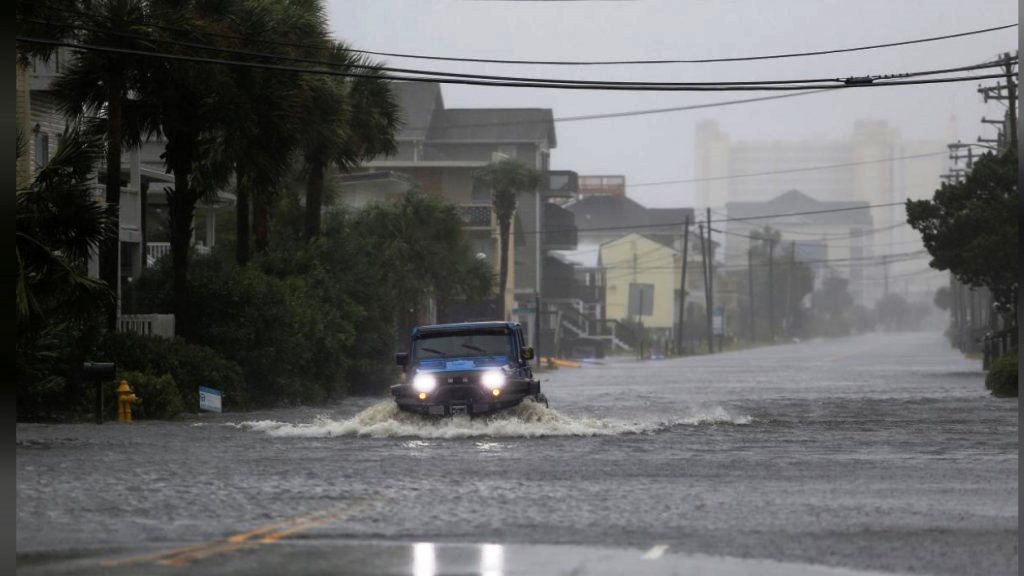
302, 303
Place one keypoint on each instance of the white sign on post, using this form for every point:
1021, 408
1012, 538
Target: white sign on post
209, 399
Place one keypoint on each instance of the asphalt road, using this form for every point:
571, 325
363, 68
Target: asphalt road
875, 454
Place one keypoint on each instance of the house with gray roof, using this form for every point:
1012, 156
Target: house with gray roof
828, 235
439, 151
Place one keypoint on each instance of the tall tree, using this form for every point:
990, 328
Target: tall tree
970, 227
189, 110
506, 177
345, 121
97, 84
261, 133
57, 224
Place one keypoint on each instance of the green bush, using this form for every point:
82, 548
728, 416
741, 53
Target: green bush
160, 397
188, 365
1002, 377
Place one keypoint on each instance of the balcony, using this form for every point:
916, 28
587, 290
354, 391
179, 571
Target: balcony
157, 250
476, 216
147, 324
559, 228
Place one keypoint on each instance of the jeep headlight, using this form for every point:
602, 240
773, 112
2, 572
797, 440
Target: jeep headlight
493, 379
424, 383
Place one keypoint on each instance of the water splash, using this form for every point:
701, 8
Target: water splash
528, 420
716, 415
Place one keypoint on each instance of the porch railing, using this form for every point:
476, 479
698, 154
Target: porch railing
147, 324
157, 250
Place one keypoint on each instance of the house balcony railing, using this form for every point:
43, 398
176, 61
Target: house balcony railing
157, 250
147, 324
476, 216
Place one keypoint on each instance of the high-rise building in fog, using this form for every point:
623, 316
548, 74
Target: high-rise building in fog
860, 170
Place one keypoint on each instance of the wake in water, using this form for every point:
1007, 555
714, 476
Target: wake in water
527, 420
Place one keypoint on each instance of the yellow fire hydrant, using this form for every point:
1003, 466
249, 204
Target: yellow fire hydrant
125, 399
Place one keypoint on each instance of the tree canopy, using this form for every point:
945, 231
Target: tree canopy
970, 227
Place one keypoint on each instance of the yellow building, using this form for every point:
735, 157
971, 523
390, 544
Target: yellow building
637, 259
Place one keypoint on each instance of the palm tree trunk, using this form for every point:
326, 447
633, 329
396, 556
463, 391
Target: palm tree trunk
314, 199
504, 228
261, 221
181, 211
241, 217
108, 261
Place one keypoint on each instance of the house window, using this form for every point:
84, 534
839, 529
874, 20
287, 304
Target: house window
507, 150
42, 149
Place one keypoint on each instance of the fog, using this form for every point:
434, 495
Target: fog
661, 146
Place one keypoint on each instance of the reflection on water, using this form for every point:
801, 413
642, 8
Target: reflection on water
492, 560
425, 561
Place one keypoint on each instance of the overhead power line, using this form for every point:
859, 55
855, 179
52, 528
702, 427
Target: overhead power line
714, 220
640, 87
855, 234
321, 47
787, 171
691, 60
445, 74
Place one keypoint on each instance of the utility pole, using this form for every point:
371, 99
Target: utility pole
789, 288
711, 282
707, 287
1008, 93
536, 321
682, 288
1011, 108
885, 271
771, 289
639, 308
750, 287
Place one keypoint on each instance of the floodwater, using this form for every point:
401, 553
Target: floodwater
878, 453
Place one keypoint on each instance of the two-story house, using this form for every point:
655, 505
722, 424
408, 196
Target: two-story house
440, 150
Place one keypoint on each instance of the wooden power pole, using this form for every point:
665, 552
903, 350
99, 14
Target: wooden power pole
682, 288
771, 290
707, 288
750, 290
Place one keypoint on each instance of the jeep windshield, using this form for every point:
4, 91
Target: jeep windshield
462, 345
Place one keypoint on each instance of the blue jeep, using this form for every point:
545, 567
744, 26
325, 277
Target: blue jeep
475, 368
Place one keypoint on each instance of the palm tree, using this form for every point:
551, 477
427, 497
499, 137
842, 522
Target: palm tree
261, 133
506, 177
57, 224
97, 84
189, 103
345, 122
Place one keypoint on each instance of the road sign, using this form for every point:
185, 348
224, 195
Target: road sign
718, 322
641, 299
209, 399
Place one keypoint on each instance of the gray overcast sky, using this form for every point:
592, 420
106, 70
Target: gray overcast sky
660, 147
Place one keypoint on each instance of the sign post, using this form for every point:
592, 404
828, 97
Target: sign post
209, 399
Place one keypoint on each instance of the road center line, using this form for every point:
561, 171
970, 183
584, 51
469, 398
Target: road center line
267, 533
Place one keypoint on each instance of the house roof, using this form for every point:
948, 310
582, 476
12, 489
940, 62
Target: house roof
417, 102
621, 214
424, 117
493, 125
796, 201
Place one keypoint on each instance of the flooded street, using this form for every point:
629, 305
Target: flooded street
875, 453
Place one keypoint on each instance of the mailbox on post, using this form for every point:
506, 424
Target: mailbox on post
99, 372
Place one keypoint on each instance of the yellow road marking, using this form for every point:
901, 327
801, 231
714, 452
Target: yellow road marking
272, 532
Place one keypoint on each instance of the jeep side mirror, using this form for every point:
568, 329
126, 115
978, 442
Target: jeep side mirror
527, 353
402, 358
